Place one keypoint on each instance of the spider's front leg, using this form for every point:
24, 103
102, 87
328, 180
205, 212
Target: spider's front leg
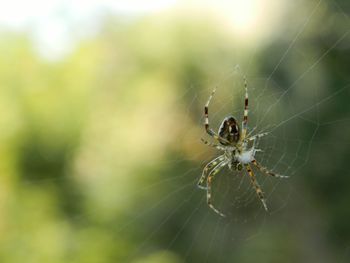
207, 168
256, 185
209, 181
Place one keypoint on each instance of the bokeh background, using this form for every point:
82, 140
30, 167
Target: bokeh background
101, 118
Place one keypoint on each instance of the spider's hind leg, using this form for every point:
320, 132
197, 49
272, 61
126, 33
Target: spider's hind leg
206, 170
209, 181
267, 171
256, 185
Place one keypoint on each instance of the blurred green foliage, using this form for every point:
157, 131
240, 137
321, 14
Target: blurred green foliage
100, 150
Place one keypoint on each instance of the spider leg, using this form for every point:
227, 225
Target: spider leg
209, 143
207, 168
256, 185
217, 146
245, 115
209, 181
267, 171
257, 136
206, 122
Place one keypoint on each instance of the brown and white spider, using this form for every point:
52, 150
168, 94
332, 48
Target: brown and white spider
234, 142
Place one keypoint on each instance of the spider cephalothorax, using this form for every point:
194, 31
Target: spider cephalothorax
233, 142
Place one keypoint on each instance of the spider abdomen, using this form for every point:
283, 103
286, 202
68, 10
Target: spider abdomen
229, 130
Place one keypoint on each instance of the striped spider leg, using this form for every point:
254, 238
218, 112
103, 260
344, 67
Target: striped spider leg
255, 184
261, 168
245, 114
209, 181
206, 123
266, 171
208, 169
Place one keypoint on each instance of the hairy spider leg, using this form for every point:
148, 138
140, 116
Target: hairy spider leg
256, 185
245, 115
217, 146
206, 123
209, 181
267, 171
207, 168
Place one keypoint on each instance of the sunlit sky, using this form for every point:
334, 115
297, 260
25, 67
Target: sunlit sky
51, 22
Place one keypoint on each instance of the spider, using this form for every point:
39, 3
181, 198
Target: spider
234, 143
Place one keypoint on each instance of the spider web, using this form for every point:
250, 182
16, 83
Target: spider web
295, 115
168, 217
